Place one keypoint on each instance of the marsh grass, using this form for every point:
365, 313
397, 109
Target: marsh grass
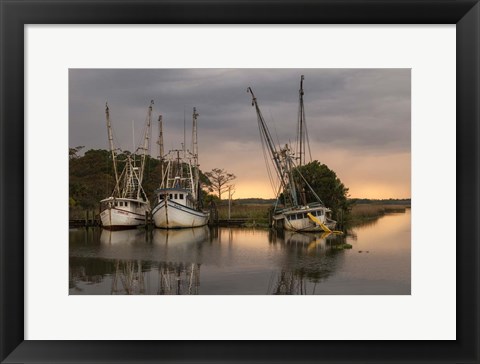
252, 212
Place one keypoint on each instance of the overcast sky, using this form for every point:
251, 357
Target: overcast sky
358, 120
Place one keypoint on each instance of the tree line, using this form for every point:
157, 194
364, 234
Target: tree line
91, 179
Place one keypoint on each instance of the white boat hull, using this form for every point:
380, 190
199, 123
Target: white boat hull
117, 215
113, 218
176, 216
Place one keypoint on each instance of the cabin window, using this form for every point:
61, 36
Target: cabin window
116, 204
181, 196
293, 217
121, 203
176, 196
170, 196
126, 204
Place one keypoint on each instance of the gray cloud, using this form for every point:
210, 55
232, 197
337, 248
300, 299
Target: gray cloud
355, 110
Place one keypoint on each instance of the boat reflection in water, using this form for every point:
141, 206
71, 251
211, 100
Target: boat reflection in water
310, 259
135, 277
234, 261
120, 237
184, 237
174, 275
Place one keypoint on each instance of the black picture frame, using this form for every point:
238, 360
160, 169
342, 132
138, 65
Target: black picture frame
15, 14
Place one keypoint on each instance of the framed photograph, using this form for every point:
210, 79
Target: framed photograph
177, 117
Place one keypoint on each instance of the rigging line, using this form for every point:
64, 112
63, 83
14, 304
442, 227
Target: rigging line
267, 162
274, 126
267, 138
266, 158
114, 136
308, 185
270, 175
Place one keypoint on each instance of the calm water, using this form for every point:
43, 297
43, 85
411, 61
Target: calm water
242, 261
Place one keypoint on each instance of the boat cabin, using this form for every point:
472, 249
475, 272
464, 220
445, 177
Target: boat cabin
303, 215
121, 204
177, 195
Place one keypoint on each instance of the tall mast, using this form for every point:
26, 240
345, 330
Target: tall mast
146, 144
302, 135
194, 135
160, 137
161, 152
110, 141
184, 147
195, 182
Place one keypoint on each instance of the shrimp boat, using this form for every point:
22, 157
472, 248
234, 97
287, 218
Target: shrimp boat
177, 202
291, 210
128, 203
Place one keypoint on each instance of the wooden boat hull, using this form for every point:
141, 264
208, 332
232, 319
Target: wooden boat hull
171, 215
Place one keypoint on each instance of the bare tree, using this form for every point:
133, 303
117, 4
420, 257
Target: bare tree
219, 179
